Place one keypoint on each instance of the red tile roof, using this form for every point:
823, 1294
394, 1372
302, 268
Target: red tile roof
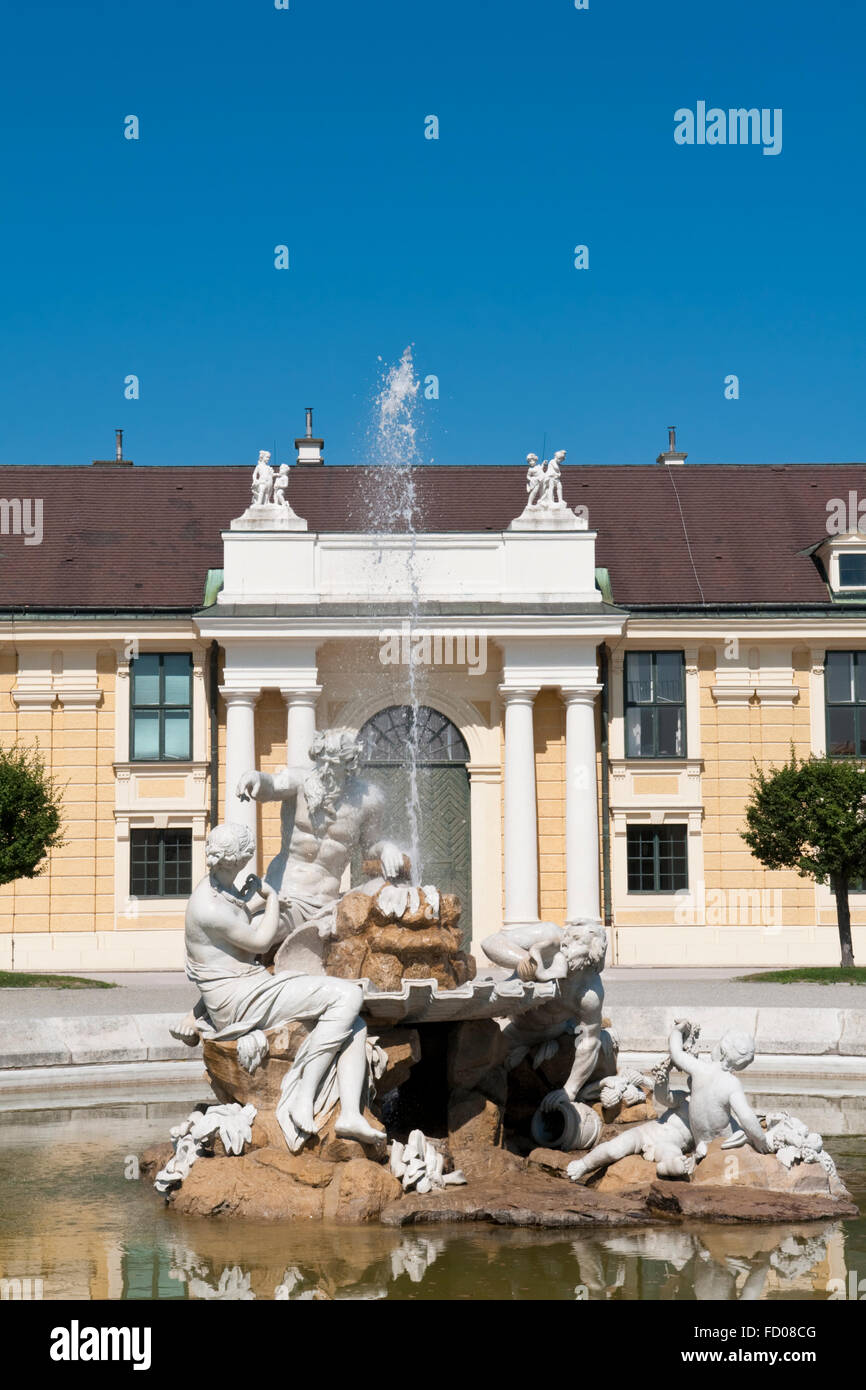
138, 537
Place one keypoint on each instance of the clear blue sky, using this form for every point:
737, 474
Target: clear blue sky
306, 127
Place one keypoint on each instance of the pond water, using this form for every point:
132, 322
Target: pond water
73, 1215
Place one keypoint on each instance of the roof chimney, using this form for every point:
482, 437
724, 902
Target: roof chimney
309, 449
671, 456
118, 454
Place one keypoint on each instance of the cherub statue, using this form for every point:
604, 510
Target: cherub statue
534, 479
573, 956
715, 1105
281, 488
263, 480
552, 496
544, 481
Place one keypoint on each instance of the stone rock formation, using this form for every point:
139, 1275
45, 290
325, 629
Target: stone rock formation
744, 1167
390, 932
261, 1088
270, 1184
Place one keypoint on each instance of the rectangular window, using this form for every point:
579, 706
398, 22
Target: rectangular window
655, 705
161, 706
160, 863
845, 693
852, 571
657, 858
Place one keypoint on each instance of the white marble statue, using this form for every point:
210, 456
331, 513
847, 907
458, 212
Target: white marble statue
420, 1166
546, 509
573, 956
281, 488
263, 480
544, 482
715, 1106
792, 1142
328, 811
196, 1135
227, 930
534, 479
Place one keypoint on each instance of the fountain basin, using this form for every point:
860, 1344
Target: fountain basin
422, 1001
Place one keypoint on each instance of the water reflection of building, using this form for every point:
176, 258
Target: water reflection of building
74, 1264
598, 695
70, 1214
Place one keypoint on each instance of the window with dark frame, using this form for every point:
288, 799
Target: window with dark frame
658, 860
160, 863
161, 707
845, 699
655, 705
852, 570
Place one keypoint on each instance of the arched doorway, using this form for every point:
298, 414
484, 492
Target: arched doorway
443, 793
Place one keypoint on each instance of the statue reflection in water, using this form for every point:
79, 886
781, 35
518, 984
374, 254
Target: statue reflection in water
703, 1263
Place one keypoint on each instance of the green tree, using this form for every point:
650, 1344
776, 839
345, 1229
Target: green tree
810, 815
30, 806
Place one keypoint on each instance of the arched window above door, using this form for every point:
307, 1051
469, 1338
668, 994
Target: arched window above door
387, 735
438, 785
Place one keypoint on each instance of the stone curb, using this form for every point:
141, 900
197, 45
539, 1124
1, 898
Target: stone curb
101, 1038
803, 1031
107, 1038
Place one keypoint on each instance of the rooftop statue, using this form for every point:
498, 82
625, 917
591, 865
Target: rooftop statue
281, 487
545, 508
269, 509
263, 480
544, 481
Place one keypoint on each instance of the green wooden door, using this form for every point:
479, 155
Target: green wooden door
443, 796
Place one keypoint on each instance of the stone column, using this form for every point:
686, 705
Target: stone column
521, 819
240, 752
581, 804
301, 722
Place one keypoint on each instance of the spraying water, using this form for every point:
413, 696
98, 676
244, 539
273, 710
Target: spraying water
390, 481
392, 506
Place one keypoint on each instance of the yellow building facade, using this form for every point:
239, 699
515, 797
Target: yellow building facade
604, 743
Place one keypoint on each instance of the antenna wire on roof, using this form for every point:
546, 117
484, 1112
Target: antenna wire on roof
686, 534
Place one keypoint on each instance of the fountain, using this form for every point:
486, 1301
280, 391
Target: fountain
364, 1070
426, 1096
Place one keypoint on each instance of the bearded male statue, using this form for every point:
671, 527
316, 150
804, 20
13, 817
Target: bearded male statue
327, 812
